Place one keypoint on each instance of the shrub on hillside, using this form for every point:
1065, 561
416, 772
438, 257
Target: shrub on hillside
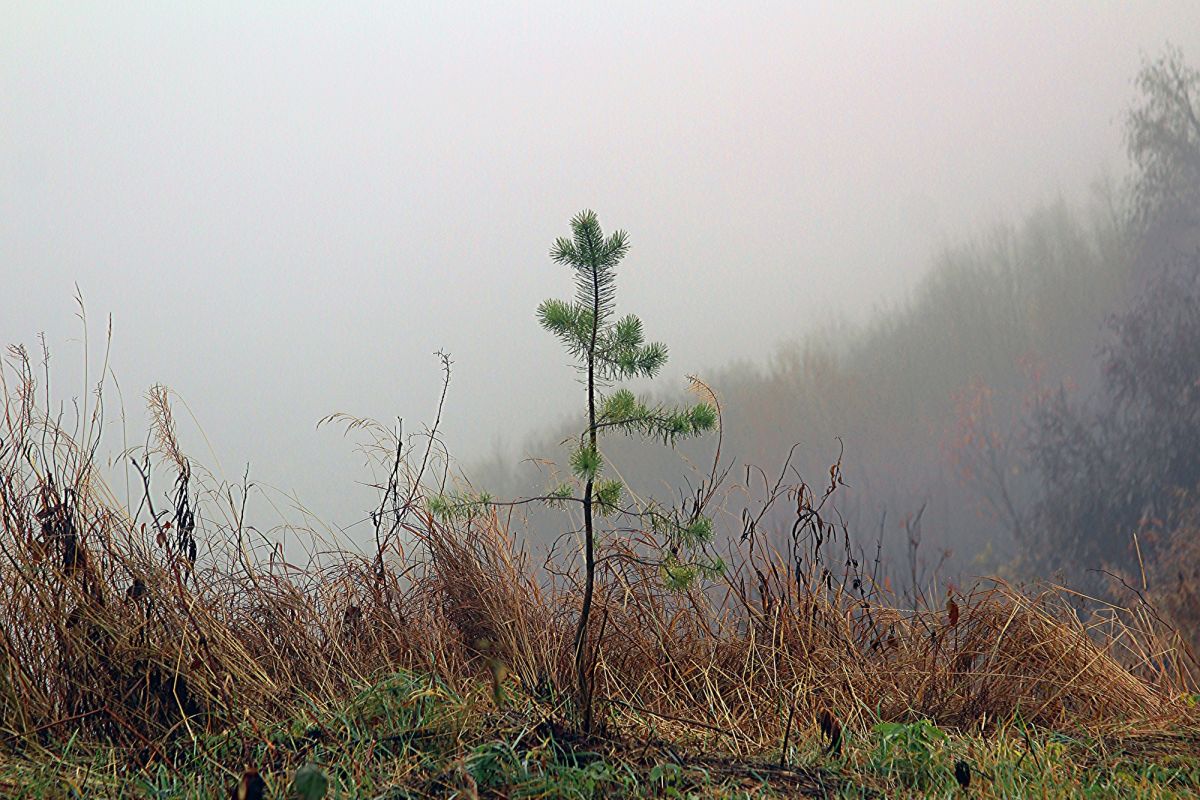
1119, 463
1173, 577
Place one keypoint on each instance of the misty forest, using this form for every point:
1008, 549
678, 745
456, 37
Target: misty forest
944, 545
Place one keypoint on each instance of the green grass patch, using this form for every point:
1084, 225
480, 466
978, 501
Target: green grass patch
414, 736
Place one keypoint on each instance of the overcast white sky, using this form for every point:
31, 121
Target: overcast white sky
288, 208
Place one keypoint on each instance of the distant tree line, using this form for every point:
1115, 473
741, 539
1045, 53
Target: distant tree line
1126, 460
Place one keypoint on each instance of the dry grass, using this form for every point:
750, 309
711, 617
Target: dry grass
111, 631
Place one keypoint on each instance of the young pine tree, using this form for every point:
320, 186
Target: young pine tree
607, 351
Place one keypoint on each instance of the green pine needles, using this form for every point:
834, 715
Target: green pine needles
607, 351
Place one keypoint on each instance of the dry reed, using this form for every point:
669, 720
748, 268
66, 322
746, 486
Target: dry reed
139, 627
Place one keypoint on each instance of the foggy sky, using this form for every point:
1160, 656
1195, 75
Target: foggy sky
288, 209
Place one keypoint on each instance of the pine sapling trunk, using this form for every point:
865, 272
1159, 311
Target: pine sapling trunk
582, 674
